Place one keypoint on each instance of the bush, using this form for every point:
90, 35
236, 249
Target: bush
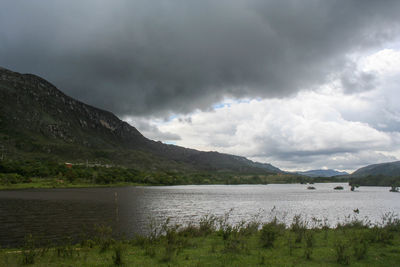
29, 250
118, 253
360, 247
342, 253
290, 242
103, 237
172, 238
269, 233
191, 230
225, 229
381, 235
234, 238
13, 178
250, 228
391, 222
299, 227
309, 244
66, 250
174, 241
150, 250
207, 225
234, 244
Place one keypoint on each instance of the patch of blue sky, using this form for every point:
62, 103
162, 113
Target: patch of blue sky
221, 105
169, 142
170, 118
165, 120
229, 102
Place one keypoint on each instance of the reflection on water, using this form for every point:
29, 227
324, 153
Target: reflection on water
56, 213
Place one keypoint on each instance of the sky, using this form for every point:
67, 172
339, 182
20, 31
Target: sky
302, 85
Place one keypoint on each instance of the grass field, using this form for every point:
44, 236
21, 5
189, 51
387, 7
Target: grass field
214, 242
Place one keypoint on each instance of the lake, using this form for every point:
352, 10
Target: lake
56, 213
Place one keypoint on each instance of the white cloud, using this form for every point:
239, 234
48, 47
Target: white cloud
385, 62
305, 129
326, 128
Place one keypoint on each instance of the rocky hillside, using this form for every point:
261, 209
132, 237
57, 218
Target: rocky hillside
38, 121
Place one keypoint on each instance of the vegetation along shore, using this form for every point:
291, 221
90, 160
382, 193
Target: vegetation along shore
50, 174
213, 241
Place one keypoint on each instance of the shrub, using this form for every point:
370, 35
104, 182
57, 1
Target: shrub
234, 244
66, 250
29, 250
150, 250
391, 222
191, 231
352, 222
250, 228
225, 229
309, 244
360, 247
174, 242
234, 237
118, 254
13, 178
354, 186
299, 227
381, 235
269, 233
342, 253
155, 230
394, 188
103, 237
89, 243
290, 242
207, 225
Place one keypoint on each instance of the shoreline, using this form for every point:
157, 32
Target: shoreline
38, 185
23, 186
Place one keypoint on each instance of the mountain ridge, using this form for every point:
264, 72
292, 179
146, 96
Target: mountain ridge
38, 120
322, 173
385, 169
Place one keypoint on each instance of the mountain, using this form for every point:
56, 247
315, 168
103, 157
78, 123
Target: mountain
322, 173
385, 169
38, 121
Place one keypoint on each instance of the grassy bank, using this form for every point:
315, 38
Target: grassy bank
40, 183
214, 242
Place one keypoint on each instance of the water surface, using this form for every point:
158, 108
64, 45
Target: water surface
55, 213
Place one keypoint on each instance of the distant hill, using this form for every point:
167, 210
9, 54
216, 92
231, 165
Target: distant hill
322, 173
38, 121
384, 169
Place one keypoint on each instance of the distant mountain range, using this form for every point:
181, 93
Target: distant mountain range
38, 121
385, 169
322, 173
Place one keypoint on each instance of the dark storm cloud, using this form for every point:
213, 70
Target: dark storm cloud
156, 57
151, 131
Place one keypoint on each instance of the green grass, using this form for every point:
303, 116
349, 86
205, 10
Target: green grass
216, 243
38, 183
